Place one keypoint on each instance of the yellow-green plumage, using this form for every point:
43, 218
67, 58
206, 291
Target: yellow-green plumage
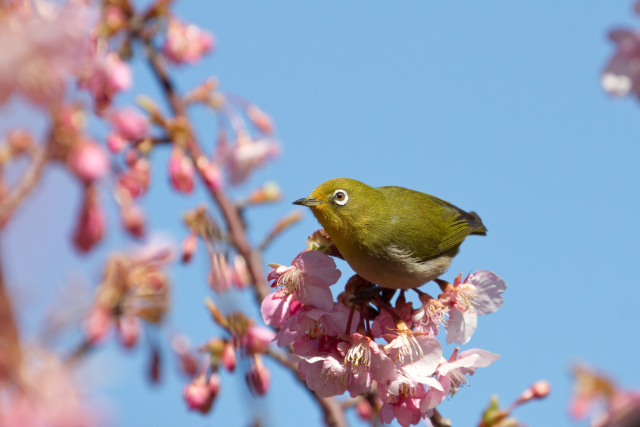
391, 236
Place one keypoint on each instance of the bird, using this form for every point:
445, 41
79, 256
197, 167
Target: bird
393, 237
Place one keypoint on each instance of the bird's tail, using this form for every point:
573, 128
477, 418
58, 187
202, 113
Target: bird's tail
478, 227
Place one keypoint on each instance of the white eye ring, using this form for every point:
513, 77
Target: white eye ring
340, 197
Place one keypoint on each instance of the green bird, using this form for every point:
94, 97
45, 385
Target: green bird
391, 236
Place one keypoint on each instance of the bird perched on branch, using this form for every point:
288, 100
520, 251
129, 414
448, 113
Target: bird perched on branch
391, 236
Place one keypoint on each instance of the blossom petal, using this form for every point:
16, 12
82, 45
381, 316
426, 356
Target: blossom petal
461, 326
489, 288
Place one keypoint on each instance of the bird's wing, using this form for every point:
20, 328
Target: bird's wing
461, 224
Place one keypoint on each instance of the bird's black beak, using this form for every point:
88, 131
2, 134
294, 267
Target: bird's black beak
308, 202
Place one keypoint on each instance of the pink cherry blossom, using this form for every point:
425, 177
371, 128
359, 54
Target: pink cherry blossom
186, 43
463, 364
308, 278
480, 293
88, 160
181, 171
326, 375
220, 274
313, 323
258, 339
432, 314
91, 222
43, 46
417, 355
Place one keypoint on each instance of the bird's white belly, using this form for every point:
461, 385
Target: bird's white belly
398, 270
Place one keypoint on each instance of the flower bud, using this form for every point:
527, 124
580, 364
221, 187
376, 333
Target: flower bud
128, 330
129, 123
181, 171
201, 393
258, 377
189, 246
133, 219
97, 323
88, 160
91, 223
186, 43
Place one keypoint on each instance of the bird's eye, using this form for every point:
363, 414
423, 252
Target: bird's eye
340, 197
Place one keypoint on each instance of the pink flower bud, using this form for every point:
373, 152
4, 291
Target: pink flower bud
155, 365
133, 219
97, 323
88, 160
364, 409
228, 357
189, 246
201, 393
128, 330
129, 123
212, 177
186, 43
134, 182
91, 223
115, 142
181, 171
258, 377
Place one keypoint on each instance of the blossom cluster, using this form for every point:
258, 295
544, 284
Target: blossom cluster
362, 343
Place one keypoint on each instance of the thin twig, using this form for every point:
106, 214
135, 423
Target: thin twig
229, 211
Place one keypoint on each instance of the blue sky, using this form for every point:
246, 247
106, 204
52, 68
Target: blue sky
495, 107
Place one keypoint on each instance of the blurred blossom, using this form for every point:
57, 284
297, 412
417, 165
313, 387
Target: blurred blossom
181, 171
43, 46
90, 224
186, 43
596, 394
47, 396
260, 119
247, 155
115, 142
258, 377
134, 287
240, 274
211, 176
201, 392
88, 160
128, 330
188, 362
133, 219
621, 75
130, 123
220, 273
189, 246
104, 76
134, 182
228, 357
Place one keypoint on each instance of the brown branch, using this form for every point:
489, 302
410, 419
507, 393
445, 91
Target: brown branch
27, 183
227, 208
10, 351
333, 412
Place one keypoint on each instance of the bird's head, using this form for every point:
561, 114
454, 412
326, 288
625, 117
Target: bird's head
340, 203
